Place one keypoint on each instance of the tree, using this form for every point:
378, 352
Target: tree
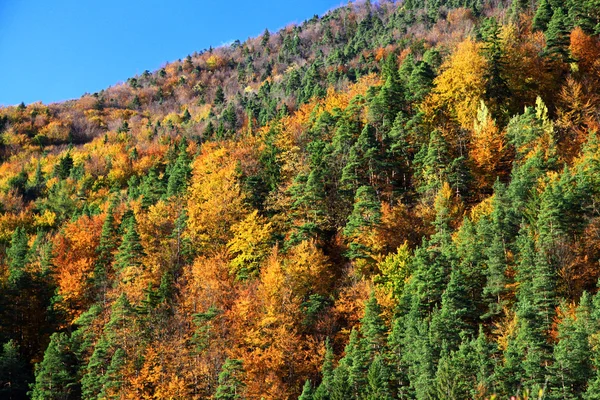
462, 83
378, 379
323, 391
56, 375
572, 363
307, 391
365, 216
13, 373
131, 251
231, 385
179, 172
372, 327
17, 257
105, 249
250, 245
542, 16
557, 36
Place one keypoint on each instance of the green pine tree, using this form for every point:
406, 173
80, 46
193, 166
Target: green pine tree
557, 36
231, 385
17, 257
56, 376
13, 373
131, 250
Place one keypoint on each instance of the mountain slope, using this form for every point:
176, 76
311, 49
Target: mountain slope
387, 201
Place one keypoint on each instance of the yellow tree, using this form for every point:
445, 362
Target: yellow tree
216, 200
461, 85
250, 245
487, 146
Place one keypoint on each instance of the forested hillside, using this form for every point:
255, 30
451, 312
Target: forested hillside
393, 200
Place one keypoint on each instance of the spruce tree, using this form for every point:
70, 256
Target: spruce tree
179, 172
325, 387
378, 380
13, 373
572, 366
542, 16
17, 257
307, 391
557, 36
130, 251
56, 376
372, 327
231, 385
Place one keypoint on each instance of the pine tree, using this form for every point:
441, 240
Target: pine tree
17, 257
542, 16
130, 251
231, 385
557, 36
13, 373
372, 327
179, 172
56, 375
307, 391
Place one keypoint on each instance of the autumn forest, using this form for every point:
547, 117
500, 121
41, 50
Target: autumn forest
394, 200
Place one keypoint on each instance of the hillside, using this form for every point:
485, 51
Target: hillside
392, 200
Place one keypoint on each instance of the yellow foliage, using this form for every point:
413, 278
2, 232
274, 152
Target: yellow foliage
45, 220
461, 85
215, 201
394, 270
250, 245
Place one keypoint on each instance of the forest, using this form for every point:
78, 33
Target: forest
394, 200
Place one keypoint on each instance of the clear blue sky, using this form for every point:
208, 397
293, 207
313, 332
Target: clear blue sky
54, 50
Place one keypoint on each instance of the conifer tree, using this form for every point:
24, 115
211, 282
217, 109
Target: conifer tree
557, 36
572, 363
179, 172
130, 251
542, 16
373, 328
231, 385
325, 388
13, 373
378, 380
307, 391
17, 257
105, 249
56, 375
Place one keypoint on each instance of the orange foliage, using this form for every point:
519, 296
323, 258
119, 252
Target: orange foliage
74, 257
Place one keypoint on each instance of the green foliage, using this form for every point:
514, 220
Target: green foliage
231, 385
56, 375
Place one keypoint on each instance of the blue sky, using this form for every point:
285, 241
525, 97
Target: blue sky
58, 50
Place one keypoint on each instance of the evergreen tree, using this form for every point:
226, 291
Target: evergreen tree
557, 36
17, 257
105, 249
372, 327
572, 364
13, 373
231, 385
307, 391
179, 172
378, 379
325, 387
542, 16
130, 251
56, 376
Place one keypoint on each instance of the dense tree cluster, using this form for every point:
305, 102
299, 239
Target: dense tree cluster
393, 200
